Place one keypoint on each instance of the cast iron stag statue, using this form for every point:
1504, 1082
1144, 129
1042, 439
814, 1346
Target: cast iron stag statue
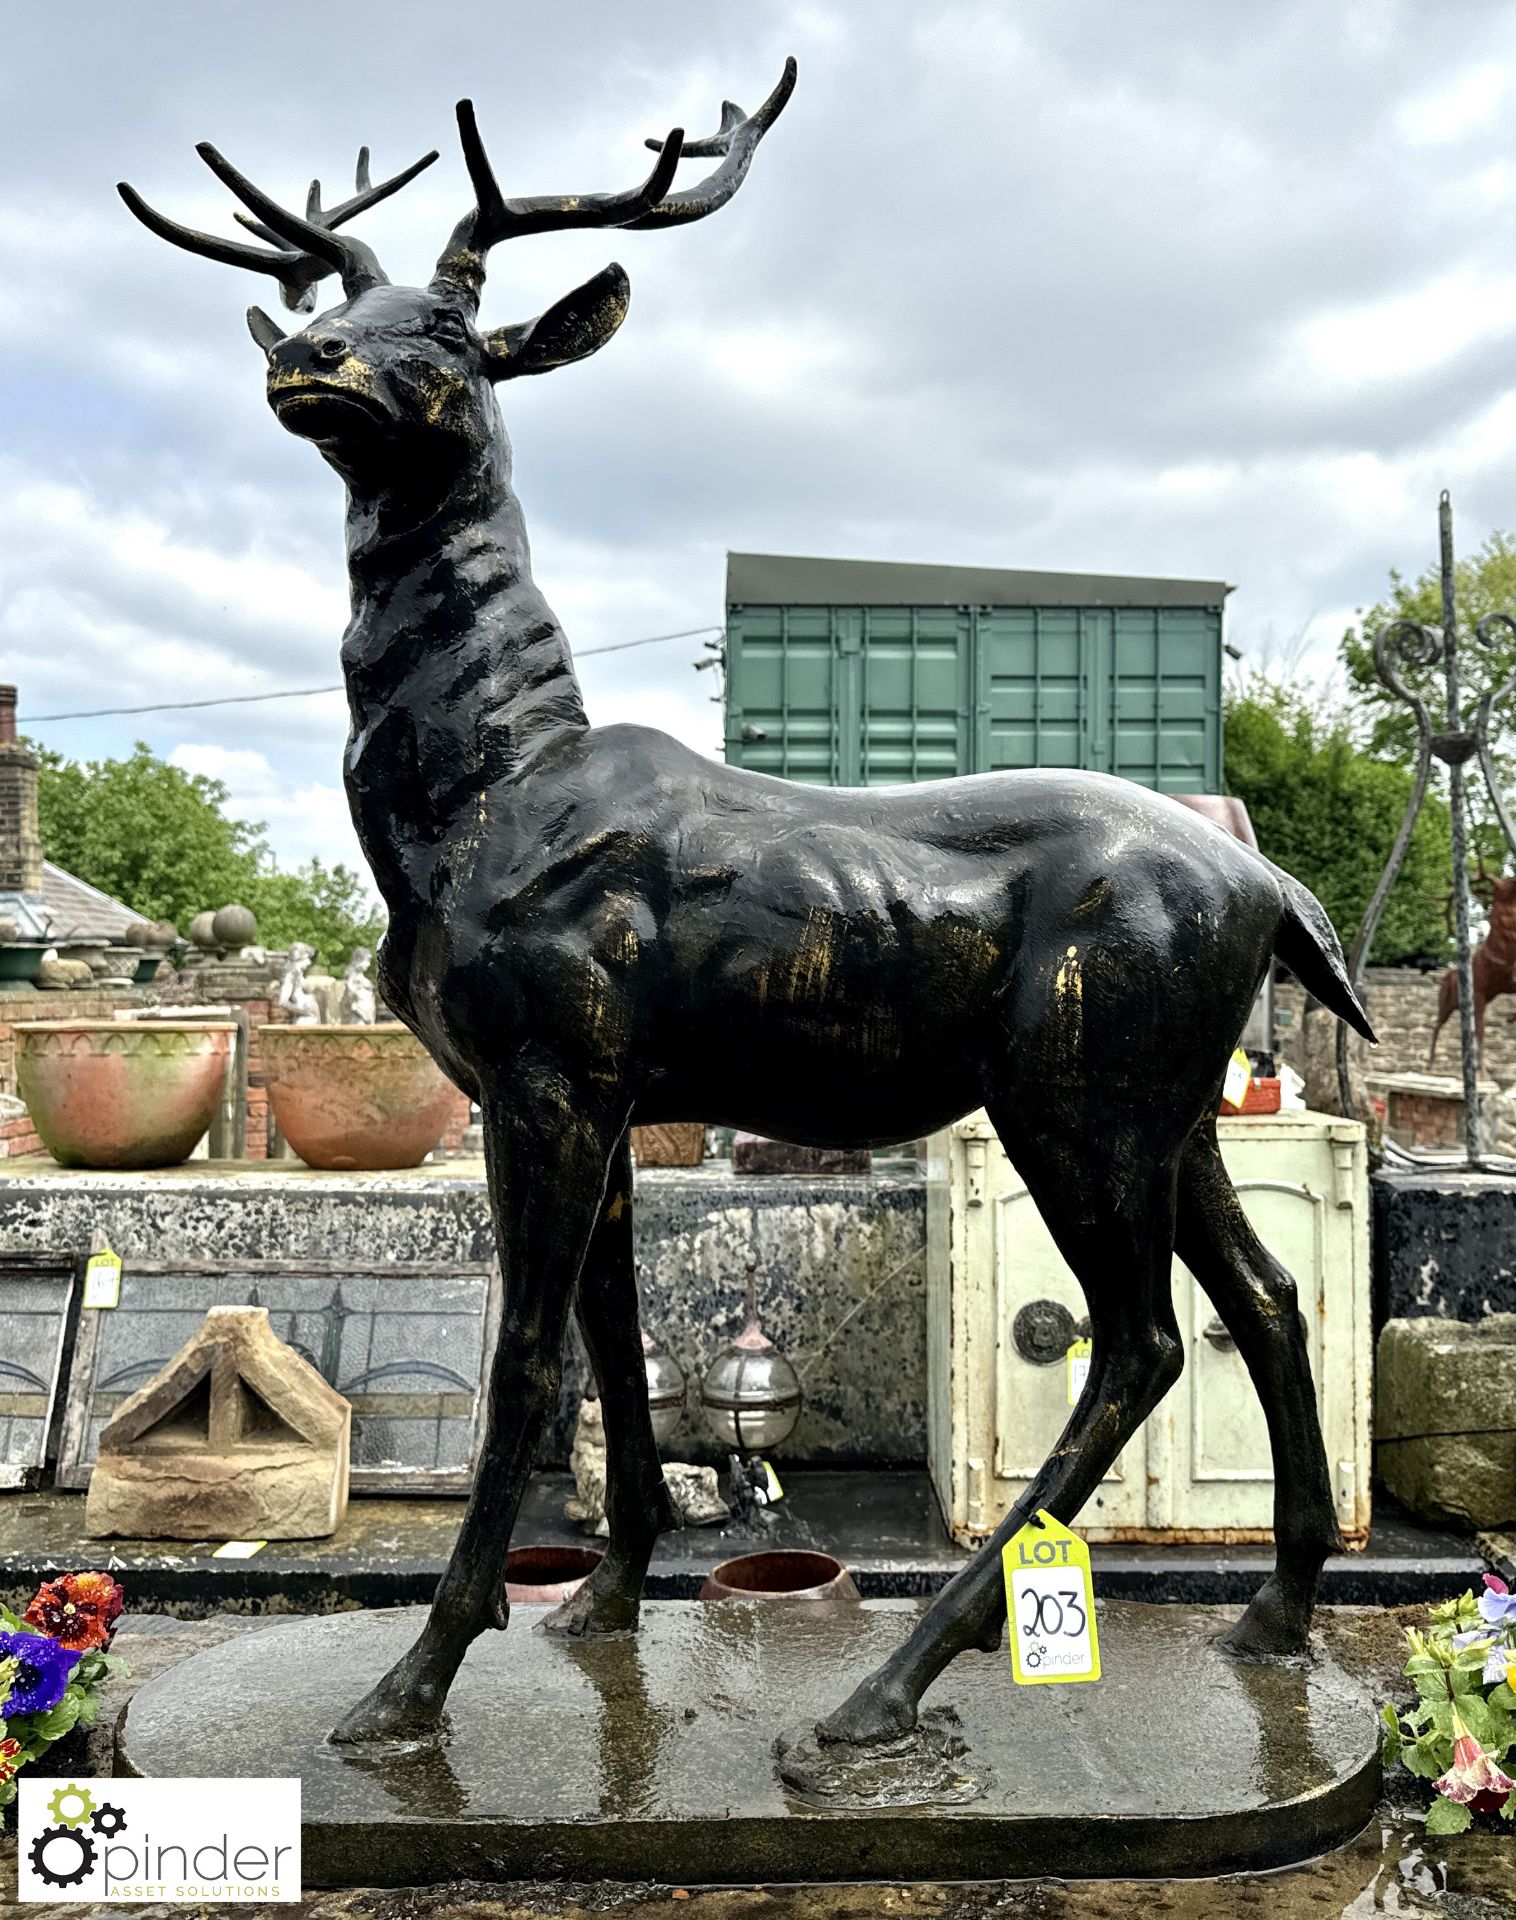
595, 925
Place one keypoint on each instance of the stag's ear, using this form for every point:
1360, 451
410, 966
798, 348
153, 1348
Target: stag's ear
573, 327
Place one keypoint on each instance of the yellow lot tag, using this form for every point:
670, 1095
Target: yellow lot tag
771, 1479
1239, 1077
1078, 1358
238, 1549
1050, 1605
102, 1279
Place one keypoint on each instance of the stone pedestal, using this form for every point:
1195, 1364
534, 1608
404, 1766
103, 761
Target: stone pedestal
237, 1438
1444, 1243
652, 1757
1445, 1418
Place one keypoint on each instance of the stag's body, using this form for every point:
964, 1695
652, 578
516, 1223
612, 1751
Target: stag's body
594, 925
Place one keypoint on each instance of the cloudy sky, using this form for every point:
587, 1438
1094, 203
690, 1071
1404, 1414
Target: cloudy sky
1184, 288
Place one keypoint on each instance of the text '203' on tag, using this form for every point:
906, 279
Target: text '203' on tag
1050, 1605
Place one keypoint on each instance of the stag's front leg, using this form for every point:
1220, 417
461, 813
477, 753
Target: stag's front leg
547, 1143
637, 1502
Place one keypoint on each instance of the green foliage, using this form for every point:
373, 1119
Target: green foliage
1484, 583
1446, 1816
161, 840
1327, 811
1454, 1666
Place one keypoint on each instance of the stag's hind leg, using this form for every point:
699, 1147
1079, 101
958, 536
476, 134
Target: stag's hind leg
1256, 1299
1107, 1196
637, 1502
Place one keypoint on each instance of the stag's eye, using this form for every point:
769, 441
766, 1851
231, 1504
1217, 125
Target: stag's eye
450, 328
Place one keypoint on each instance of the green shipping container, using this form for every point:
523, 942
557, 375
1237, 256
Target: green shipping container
869, 673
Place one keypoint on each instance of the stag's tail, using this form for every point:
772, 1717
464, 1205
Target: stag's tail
1307, 943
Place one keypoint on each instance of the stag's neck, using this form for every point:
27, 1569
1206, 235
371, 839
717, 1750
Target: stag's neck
457, 671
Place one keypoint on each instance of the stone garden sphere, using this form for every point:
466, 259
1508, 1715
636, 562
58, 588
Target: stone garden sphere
234, 927
202, 930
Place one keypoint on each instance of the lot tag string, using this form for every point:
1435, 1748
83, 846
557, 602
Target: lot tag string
1050, 1605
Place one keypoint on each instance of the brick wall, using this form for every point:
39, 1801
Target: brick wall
20, 843
1402, 1005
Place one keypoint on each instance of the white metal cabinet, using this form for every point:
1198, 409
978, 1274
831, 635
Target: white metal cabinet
1002, 1308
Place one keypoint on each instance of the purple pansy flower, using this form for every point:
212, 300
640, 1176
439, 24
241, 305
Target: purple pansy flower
1497, 1604
43, 1671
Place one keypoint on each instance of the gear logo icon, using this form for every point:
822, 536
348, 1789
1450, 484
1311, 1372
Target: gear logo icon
108, 1820
61, 1856
72, 1805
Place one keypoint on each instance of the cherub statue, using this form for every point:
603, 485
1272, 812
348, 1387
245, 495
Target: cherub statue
358, 1007
304, 1009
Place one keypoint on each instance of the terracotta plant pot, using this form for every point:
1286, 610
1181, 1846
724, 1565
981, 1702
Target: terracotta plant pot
542, 1576
674, 1143
122, 1093
355, 1098
782, 1574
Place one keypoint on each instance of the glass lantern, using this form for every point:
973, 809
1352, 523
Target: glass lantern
666, 1389
751, 1394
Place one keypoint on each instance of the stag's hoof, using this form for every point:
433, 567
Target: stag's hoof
878, 1711
590, 1612
407, 1704
1275, 1627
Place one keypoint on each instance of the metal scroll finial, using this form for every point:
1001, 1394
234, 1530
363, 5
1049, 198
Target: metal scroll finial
1407, 644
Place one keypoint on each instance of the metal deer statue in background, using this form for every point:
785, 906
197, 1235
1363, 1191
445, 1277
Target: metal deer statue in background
1494, 963
595, 925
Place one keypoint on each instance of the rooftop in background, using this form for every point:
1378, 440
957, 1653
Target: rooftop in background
781, 579
83, 912
68, 912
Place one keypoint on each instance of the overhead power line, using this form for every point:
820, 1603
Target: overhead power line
301, 693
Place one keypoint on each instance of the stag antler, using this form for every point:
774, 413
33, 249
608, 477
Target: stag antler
495, 218
734, 142
308, 248
366, 195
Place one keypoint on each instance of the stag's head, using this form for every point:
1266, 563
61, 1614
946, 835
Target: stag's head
402, 378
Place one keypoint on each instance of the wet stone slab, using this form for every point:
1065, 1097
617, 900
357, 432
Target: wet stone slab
652, 1759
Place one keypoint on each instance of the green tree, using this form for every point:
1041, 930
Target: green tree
161, 840
1483, 583
1327, 810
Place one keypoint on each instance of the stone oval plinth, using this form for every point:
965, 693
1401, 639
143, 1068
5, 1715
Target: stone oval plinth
652, 1757
122, 1093
354, 1098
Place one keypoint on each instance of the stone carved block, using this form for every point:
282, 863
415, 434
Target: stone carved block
237, 1438
1445, 1418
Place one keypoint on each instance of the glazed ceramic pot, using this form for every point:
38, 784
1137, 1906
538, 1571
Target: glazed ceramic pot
20, 961
785, 1573
355, 1098
543, 1576
122, 1093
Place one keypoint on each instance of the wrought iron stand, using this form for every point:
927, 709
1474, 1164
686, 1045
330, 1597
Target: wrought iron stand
1402, 644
